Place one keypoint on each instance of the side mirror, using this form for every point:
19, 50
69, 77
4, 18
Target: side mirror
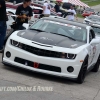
95, 41
26, 26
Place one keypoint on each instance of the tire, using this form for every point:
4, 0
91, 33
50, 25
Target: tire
83, 71
96, 66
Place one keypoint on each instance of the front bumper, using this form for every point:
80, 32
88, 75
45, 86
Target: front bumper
63, 64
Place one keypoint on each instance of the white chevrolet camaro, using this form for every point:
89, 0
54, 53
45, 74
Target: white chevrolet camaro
54, 46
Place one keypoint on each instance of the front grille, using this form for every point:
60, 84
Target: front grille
40, 66
42, 52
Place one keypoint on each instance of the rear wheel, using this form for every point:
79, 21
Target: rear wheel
83, 71
96, 66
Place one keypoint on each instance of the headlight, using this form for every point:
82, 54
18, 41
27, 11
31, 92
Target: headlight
16, 44
71, 56
68, 56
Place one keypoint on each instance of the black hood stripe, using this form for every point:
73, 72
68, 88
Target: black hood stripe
50, 39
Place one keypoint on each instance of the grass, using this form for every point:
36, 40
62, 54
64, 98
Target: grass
91, 2
80, 16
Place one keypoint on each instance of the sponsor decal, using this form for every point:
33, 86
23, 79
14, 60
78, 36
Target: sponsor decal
26, 63
93, 53
46, 38
36, 65
74, 45
94, 49
22, 33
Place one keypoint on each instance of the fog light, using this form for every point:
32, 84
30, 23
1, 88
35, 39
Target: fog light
70, 69
8, 54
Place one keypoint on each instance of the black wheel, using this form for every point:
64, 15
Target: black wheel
96, 66
83, 71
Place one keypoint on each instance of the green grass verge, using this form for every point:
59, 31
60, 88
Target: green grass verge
80, 16
91, 2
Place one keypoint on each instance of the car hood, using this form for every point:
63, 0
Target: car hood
49, 39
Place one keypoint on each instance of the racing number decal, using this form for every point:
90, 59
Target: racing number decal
93, 52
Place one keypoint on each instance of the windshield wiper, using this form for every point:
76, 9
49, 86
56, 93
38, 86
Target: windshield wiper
65, 36
37, 30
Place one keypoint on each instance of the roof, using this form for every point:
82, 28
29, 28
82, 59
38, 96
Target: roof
63, 20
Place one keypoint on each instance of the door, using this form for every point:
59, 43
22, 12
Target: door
92, 49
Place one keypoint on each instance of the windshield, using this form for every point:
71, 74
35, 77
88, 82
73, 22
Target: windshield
74, 32
96, 30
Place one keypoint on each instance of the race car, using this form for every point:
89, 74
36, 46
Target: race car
92, 19
88, 12
96, 29
54, 46
94, 22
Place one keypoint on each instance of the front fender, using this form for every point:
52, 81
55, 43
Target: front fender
82, 54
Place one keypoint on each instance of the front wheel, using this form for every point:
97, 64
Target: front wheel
83, 71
